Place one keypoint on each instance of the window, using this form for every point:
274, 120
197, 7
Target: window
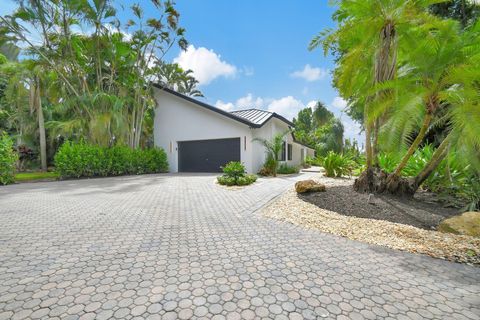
289, 152
282, 156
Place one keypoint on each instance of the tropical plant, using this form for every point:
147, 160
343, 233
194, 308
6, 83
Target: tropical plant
234, 173
367, 44
286, 169
337, 165
273, 148
98, 84
8, 158
319, 129
400, 68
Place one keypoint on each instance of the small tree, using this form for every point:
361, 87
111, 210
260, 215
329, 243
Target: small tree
272, 148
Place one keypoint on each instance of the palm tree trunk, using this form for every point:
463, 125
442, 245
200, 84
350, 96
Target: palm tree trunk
437, 157
375, 143
41, 126
413, 147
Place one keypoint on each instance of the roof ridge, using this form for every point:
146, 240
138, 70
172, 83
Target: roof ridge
250, 109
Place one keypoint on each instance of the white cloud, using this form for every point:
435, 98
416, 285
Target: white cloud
227, 106
310, 74
250, 102
312, 104
339, 103
205, 64
286, 106
352, 130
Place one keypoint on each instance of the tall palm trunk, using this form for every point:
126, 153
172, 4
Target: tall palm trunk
36, 105
413, 147
437, 157
385, 65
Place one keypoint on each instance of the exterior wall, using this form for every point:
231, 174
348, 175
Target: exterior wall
179, 120
268, 131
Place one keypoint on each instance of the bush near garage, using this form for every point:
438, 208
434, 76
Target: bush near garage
234, 174
75, 160
8, 159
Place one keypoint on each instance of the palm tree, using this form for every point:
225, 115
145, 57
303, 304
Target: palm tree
369, 28
273, 148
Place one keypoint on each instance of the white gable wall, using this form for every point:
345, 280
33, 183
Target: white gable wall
177, 119
273, 127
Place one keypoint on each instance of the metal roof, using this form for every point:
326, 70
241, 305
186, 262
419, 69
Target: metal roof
254, 115
254, 118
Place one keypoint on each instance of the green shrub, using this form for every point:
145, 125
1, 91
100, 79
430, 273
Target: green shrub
316, 161
234, 175
286, 169
387, 161
226, 181
337, 165
8, 158
75, 160
269, 167
234, 169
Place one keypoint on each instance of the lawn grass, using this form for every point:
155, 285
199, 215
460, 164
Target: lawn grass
32, 176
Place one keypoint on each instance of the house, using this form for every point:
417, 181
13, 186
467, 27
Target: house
198, 137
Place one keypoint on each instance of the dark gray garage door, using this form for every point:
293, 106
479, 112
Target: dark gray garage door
207, 155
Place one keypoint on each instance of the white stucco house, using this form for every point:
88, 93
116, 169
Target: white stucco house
198, 137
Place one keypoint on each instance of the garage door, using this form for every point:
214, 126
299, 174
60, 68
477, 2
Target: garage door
207, 155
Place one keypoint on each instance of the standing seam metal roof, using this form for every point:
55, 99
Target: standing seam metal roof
254, 115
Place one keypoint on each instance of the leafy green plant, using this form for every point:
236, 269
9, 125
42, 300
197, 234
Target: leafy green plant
272, 149
75, 160
8, 158
269, 167
286, 169
234, 174
387, 161
314, 161
337, 165
234, 169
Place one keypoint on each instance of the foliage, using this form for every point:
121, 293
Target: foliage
272, 148
286, 169
33, 176
234, 169
314, 161
234, 175
95, 85
337, 165
8, 158
467, 12
319, 128
74, 160
412, 78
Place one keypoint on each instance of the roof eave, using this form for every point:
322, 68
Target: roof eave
206, 106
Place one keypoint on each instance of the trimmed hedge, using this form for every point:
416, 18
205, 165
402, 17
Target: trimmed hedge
75, 160
8, 158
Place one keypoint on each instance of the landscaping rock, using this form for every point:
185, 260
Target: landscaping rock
467, 223
305, 186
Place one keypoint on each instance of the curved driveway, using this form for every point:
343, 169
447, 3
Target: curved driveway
179, 246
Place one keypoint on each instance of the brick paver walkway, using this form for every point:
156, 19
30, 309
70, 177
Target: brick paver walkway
179, 246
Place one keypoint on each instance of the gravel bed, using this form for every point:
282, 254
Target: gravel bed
374, 228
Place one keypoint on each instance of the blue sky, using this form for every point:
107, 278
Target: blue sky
254, 53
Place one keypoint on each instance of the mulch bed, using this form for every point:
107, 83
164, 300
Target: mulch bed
346, 201
402, 224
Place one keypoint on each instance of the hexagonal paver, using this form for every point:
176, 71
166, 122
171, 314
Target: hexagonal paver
181, 247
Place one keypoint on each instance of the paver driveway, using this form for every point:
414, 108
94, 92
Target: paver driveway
175, 246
